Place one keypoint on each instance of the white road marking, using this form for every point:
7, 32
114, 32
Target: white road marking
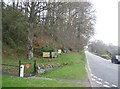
95, 76
114, 85
100, 79
106, 82
91, 74
93, 79
98, 82
106, 86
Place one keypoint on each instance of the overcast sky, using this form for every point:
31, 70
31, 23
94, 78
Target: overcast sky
107, 20
106, 27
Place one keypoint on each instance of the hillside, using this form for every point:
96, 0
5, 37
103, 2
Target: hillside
31, 26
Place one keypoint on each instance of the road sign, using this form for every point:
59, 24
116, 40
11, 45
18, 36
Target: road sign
27, 65
59, 51
46, 54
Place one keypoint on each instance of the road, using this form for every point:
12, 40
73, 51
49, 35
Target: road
102, 73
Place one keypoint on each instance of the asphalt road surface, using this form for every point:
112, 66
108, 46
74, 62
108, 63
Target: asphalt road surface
102, 72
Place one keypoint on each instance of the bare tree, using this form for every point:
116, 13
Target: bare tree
69, 23
32, 10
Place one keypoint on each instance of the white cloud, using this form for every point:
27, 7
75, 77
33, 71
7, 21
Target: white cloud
107, 20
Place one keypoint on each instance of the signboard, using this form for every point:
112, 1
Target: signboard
54, 55
27, 65
59, 51
46, 54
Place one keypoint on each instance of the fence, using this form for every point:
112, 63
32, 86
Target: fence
14, 70
29, 67
8, 69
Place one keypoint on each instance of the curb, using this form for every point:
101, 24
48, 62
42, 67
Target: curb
89, 72
89, 76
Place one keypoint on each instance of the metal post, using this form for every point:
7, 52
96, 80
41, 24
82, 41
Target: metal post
19, 66
34, 65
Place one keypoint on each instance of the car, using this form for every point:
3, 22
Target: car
115, 59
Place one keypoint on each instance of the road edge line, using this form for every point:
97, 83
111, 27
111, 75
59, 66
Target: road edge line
89, 77
88, 71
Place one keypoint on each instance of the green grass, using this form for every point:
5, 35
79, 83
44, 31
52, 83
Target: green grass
73, 71
10, 81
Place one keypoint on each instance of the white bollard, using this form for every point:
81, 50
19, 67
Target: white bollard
21, 70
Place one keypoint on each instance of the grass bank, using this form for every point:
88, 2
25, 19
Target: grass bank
73, 71
10, 81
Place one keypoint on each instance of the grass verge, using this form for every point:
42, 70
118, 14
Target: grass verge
10, 81
76, 70
73, 71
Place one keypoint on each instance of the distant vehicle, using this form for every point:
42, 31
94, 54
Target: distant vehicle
115, 59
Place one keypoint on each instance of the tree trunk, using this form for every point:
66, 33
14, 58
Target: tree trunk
31, 31
13, 4
30, 41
